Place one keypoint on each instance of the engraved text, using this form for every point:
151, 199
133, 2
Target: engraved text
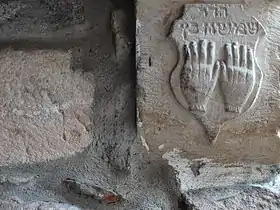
223, 28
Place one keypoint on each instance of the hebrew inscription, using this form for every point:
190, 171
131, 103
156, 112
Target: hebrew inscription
217, 77
222, 28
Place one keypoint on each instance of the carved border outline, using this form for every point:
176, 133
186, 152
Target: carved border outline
174, 77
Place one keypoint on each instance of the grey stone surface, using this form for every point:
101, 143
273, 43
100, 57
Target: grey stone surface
114, 160
234, 198
14, 203
165, 130
40, 19
109, 161
206, 86
219, 73
46, 106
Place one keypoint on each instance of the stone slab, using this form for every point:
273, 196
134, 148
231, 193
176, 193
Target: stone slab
45, 106
208, 81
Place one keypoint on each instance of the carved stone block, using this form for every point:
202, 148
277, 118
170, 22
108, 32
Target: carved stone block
205, 82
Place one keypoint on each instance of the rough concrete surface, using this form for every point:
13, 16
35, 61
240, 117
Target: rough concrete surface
46, 106
45, 19
85, 86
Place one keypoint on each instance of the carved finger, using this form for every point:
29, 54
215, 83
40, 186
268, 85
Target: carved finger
203, 53
230, 74
236, 54
223, 72
211, 50
188, 64
249, 77
251, 66
229, 55
194, 55
203, 69
216, 70
186, 47
250, 57
243, 59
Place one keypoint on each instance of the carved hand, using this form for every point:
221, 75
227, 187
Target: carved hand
237, 76
199, 75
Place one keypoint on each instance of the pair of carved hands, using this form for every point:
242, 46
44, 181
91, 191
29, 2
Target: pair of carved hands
201, 72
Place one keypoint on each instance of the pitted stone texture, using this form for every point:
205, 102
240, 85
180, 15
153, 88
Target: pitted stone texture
45, 106
170, 39
234, 198
41, 19
15, 203
200, 174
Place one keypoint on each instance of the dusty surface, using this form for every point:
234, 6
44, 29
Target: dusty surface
46, 106
114, 170
42, 20
235, 198
230, 114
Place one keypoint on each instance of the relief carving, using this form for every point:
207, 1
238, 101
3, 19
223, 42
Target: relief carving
199, 75
217, 77
237, 76
229, 28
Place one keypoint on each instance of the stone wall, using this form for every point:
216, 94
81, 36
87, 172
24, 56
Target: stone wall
72, 136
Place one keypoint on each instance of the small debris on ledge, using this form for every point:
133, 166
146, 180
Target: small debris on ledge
101, 194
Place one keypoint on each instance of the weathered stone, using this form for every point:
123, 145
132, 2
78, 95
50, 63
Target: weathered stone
208, 81
202, 174
114, 165
119, 25
234, 198
14, 203
45, 19
46, 106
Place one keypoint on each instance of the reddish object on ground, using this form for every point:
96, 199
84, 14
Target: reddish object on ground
111, 198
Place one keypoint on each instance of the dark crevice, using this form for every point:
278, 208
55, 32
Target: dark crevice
113, 142
183, 204
150, 61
